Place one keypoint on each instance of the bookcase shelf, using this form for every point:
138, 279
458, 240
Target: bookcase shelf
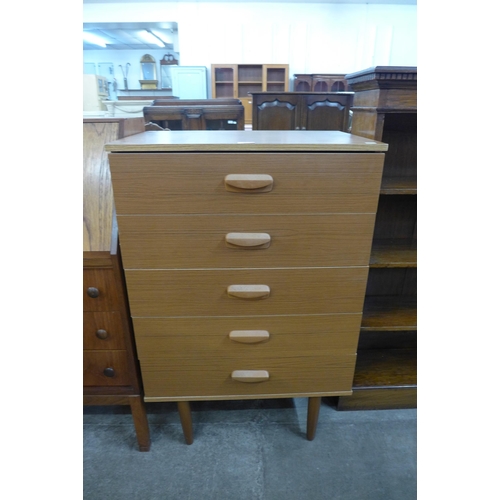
240, 80
385, 109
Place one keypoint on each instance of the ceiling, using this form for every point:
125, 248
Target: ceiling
126, 36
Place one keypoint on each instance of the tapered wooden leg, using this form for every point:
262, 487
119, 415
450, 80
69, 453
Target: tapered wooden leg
186, 422
313, 407
140, 422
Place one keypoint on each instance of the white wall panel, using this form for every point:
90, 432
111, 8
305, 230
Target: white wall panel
310, 37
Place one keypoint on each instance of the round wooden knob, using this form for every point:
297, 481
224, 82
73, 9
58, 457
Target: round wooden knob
93, 292
109, 372
101, 334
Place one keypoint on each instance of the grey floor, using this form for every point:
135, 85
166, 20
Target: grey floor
251, 450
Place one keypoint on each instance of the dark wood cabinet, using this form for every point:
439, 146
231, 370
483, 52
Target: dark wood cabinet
110, 368
195, 114
385, 109
301, 111
326, 82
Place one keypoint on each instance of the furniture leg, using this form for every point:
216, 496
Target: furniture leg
141, 422
313, 407
186, 422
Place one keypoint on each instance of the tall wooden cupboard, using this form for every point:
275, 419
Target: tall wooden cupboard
240, 80
385, 109
110, 367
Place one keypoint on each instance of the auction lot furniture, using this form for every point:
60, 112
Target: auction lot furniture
385, 109
110, 369
241, 80
246, 257
301, 111
195, 114
326, 82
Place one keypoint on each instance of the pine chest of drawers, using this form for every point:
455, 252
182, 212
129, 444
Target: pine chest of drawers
246, 259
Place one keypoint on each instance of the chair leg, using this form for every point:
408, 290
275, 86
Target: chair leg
313, 407
186, 422
140, 418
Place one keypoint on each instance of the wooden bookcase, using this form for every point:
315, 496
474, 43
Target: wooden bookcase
385, 109
240, 80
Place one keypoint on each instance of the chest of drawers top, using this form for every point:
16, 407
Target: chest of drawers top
241, 141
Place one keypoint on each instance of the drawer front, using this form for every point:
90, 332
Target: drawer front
103, 330
100, 290
325, 374
105, 368
205, 292
193, 183
235, 241
278, 336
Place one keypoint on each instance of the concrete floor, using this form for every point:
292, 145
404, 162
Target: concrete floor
251, 450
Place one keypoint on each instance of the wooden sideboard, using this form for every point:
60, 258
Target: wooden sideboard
325, 82
110, 368
195, 114
246, 256
301, 111
385, 109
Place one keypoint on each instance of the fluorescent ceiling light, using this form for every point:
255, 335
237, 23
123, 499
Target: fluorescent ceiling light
96, 40
148, 37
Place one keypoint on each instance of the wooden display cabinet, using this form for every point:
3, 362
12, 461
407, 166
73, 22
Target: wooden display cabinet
240, 80
385, 109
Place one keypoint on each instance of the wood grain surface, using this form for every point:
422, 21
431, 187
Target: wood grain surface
194, 183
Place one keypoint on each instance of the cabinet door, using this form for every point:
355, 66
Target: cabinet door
276, 112
326, 112
189, 82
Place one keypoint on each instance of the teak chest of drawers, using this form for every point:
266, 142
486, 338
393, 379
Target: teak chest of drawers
246, 258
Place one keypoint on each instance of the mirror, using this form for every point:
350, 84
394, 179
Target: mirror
148, 68
166, 75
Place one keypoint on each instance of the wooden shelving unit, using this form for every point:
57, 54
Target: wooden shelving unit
385, 109
240, 80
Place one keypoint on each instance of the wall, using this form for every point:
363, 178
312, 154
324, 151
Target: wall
310, 37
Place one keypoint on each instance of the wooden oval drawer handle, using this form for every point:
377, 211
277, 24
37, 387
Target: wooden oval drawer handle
249, 182
248, 240
101, 334
249, 291
93, 292
250, 376
109, 372
249, 336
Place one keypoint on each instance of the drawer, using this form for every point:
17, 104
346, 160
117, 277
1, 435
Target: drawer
207, 241
105, 368
100, 290
194, 183
205, 292
103, 330
288, 377
213, 338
